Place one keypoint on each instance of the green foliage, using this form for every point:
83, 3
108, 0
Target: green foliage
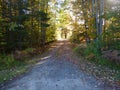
11, 73
50, 35
101, 36
74, 39
78, 34
29, 50
112, 32
92, 48
24, 24
8, 61
94, 56
80, 50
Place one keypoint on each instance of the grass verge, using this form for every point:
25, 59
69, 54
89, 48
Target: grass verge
11, 68
98, 66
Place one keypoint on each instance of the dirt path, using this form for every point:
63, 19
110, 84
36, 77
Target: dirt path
56, 71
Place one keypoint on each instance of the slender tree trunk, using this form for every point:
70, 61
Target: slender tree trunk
101, 13
97, 19
20, 3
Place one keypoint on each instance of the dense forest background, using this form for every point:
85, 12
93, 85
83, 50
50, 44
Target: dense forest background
100, 29
25, 24
33, 23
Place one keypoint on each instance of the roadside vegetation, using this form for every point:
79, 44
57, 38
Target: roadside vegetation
18, 63
26, 30
98, 38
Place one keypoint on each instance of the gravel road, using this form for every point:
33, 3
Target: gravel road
56, 72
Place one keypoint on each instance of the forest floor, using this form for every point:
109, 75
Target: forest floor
58, 69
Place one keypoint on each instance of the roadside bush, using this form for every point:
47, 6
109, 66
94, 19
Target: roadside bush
80, 50
94, 49
29, 50
8, 61
23, 54
75, 39
95, 52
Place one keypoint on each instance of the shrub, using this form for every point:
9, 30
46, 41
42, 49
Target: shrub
8, 61
92, 48
80, 50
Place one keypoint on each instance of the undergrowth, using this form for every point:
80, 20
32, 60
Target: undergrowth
8, 61
10, 67
93, 54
